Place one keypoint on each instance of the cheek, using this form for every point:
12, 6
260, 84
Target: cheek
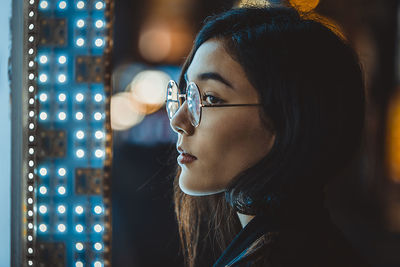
234, 145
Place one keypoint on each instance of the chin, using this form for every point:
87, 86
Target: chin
191, 191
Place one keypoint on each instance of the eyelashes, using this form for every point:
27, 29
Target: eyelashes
212, 100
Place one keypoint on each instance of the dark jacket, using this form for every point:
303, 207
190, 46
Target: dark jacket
312, 241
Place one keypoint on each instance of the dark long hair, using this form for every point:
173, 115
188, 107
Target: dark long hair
310, 84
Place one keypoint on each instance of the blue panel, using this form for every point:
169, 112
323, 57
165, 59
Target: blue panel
71, 123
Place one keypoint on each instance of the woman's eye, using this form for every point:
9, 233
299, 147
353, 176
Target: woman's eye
210, 99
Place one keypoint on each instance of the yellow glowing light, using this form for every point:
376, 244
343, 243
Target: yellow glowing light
304, 5
124, 115
147, 90
393, 139
155, 41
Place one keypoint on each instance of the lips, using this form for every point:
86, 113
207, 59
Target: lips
185, 158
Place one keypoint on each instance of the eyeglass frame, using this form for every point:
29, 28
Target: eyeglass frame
184, 96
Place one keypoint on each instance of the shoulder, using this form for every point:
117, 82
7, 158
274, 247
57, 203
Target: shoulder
324, 245
319, 246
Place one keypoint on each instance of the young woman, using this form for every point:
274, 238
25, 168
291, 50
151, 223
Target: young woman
269, 108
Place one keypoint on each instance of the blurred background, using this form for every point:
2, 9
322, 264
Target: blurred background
151, 39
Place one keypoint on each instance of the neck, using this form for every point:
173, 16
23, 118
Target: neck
244, 219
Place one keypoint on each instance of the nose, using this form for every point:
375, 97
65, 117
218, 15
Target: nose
180, 122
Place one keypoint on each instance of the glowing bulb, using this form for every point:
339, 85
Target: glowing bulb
62, 171
30, 200
79, 210
44, 4
79, 97
61, 227
99, 42
30, 225
62, 116
62, 59
99, 153
98, 97
42, 228
42, 209
80, 23
98, 209
79, 116
99, 5
97, 264
31, 89
62, 97
78, 264
61, 209
31, 113
80, 134
43, 116
43, 190
80, 153
62, 78
43, 59
99, 24
43, 171
99, 134
79, 228
61, 190
98, 246
97, 116
62, 5
43, 78
97, 228
79, 246
80, 5
30, 238
30, 188
80, 42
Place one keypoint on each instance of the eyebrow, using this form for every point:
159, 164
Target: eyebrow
211, 76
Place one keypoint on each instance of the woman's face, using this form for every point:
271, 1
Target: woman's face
228, 139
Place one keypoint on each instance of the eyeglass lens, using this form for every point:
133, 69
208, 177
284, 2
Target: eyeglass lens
193, 99
193, 102
172, 99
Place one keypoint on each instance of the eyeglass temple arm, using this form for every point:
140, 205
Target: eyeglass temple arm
229, 105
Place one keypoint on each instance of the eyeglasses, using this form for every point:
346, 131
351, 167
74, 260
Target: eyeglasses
194, 102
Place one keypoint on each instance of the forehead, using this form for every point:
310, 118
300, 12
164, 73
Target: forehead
211, 56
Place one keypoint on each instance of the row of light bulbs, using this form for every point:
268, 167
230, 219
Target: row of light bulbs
44, 5
80, 23
78, 209
62, 228
62, 116
31, 131
79, 97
